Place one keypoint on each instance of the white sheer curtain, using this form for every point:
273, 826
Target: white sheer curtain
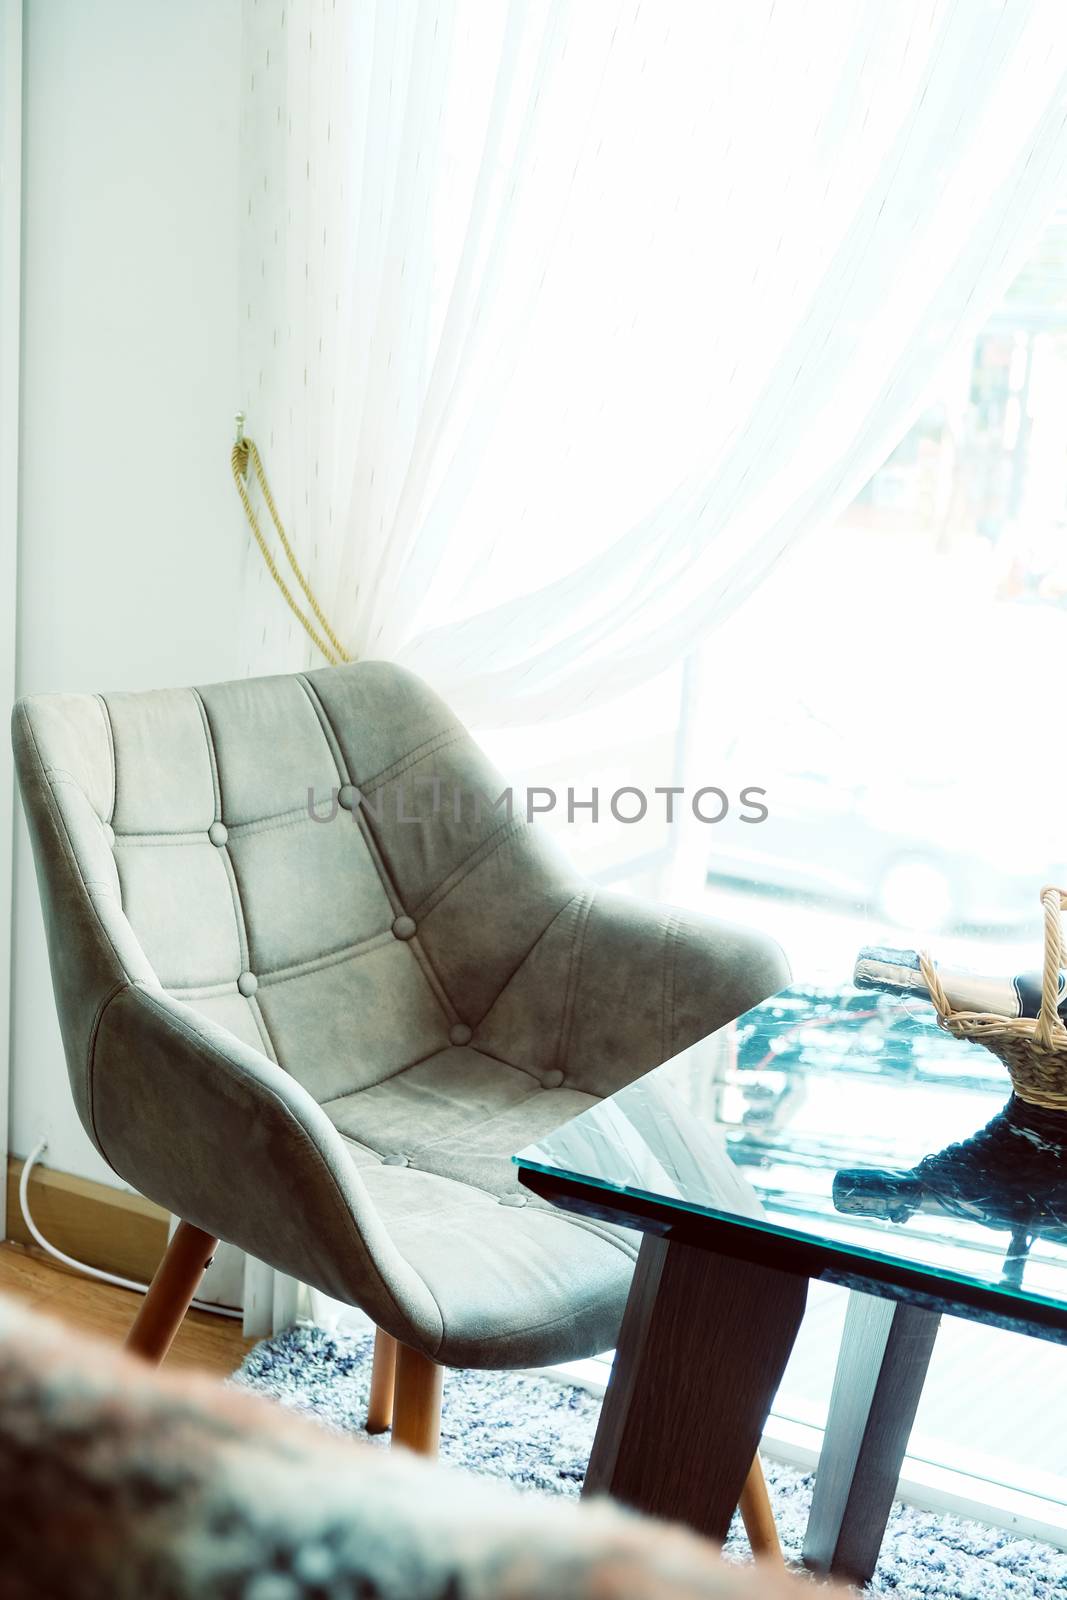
562, 320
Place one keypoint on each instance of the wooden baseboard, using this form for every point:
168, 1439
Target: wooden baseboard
104, 1227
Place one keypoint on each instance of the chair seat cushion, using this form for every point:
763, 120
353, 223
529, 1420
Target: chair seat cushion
459, 1112
517, 1282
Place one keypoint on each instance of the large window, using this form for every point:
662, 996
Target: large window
895, 684
895, 687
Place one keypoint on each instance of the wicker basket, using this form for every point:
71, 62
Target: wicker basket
1034, 1049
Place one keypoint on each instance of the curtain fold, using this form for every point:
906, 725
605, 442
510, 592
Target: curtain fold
562, 321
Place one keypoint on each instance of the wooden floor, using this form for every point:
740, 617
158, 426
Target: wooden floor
205, 1342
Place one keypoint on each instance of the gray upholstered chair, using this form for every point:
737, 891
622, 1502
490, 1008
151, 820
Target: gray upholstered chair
320, 1031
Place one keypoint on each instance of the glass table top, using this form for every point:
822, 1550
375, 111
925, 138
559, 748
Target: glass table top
850, 1121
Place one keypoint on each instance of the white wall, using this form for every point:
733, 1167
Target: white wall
132, 545
10, 262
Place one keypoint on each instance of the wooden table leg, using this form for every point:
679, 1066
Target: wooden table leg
885, 1352
703, 1346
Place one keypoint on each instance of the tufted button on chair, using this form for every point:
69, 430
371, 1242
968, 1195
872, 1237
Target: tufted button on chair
316, 988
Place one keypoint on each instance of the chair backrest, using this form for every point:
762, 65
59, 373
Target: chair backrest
251, 848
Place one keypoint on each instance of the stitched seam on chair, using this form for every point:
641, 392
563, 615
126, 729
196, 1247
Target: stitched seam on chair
240, 920
542, 1208
574, 966
385, 876
90, 1056
333, 744
237, 901
384, 871
216, 781
244, 943
676, 944
244, 950
433, 979
59, 823
536, 1327
286, 819
186, 835
664, 948
520, 1333
474, 1127
513, 974
389, 885
505, 986
132, 841
592, 1225
330, 958
583, 907
549, 1214
667, 988
101, 890
241, 830
62, 775
65, 841
600, 1230
397, 1072
551, 1322
364, 1149
429, 747
105, 712
264, 1032
133, 833
189, 992
60, 778
409, 1066
483, 1050
500, 836
178, 835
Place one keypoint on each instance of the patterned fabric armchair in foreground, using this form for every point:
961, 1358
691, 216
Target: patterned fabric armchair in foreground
120, 1483
315, 990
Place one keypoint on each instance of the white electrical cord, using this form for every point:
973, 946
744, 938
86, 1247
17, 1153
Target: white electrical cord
82, 1266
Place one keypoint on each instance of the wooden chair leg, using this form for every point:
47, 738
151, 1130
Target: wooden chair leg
756, 1514
173, 1287
417, 1405
382, 1381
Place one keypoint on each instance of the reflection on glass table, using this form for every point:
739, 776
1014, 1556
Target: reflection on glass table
1009, 1176
818, 1117
826, 1135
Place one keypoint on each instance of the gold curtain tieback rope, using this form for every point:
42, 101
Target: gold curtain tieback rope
243, 456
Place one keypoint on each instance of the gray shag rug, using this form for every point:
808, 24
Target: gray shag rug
537, 1434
